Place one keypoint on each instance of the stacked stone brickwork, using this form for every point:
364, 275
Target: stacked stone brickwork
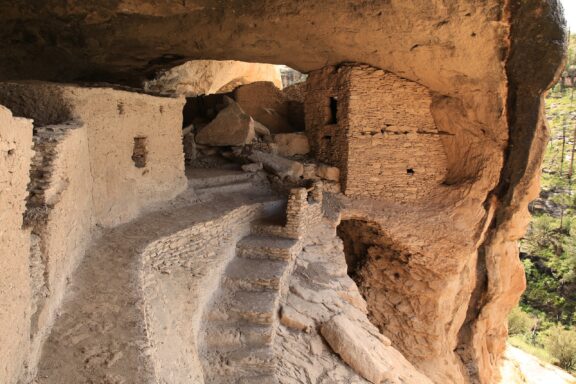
198, 256
201, 240
327, 128
46, 140
304, 209
383, 137
242, 319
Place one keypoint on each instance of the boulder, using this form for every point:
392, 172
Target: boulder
252, 167
328, 173
232, 127
291, 144
280, 166
290, 318
364, 353
266, 104
369, 353
206, 77
261, 129
310, 171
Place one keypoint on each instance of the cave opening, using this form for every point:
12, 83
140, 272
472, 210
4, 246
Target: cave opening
385, 276
355, 246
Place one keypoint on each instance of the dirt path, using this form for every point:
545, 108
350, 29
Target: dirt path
522, 368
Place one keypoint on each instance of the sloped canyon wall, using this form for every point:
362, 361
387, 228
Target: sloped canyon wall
437, 221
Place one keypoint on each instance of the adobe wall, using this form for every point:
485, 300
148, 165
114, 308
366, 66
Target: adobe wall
378, 129
60, 216
82, 174
113, 120
15, 157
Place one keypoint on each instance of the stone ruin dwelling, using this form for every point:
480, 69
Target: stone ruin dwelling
378, 130
170, 214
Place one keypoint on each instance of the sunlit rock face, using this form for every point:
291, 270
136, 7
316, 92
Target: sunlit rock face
440, 273
206, 77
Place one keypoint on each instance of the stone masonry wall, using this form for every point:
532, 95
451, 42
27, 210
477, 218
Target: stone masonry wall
395, 152
180, 273
15, 296
304, 210
326, 127
378, 129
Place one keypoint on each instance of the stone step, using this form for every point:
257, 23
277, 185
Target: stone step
248, 359
254, 307
259, 379
229, 337
267, 247
254, 275
225, 188
240, 377
272, 230
206, 178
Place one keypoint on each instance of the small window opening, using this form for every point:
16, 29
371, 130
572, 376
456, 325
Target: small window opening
310, 197
333, 110
410, 172
139, 153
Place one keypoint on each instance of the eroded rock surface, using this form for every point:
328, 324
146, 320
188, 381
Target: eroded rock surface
205, 77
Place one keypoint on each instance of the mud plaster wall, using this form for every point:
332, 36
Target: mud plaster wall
113, 120
83, 175
62, 231
383, 137
15, 157
180, 273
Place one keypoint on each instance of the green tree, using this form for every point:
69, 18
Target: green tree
520, 322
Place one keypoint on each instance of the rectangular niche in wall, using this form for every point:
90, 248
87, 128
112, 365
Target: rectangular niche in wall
333, 111
139, 153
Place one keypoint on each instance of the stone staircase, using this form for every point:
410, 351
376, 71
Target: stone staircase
241, 323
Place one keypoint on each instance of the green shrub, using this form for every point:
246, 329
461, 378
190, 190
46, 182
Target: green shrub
520, 322
561, 344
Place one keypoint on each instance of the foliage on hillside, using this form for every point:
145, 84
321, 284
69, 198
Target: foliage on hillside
545, 322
